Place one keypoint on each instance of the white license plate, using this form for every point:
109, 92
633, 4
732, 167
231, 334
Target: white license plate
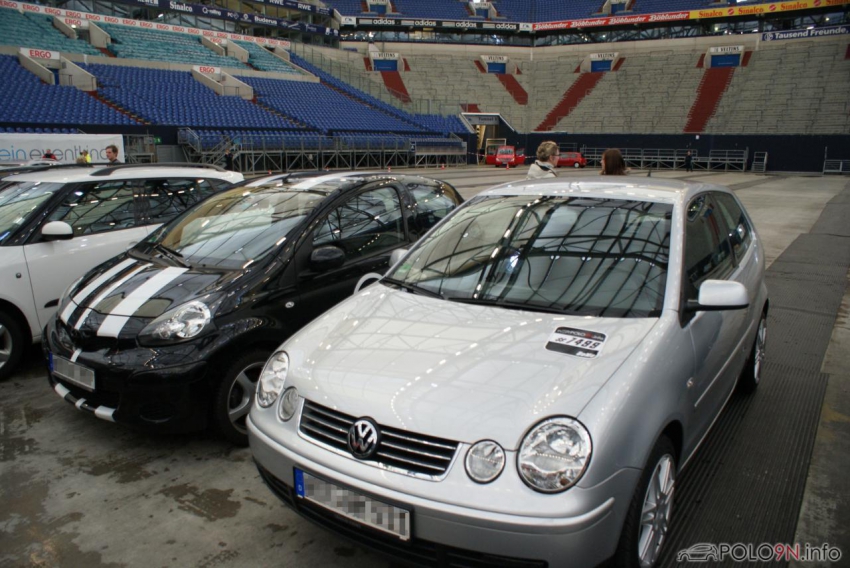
352, 505
71, 372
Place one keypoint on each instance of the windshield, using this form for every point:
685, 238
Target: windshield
600, 257
506, 151
18, 200
237, 227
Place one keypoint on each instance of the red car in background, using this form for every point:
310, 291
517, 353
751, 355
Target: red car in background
571, 160
508, 156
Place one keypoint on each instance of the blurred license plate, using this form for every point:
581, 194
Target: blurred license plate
71, 372
352, 505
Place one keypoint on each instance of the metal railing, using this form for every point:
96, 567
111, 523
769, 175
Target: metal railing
673, 158
836, 166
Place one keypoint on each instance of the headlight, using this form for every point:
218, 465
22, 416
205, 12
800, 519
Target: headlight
288, 404
485, 461
554, 454
184, 322
69, 291
272, 379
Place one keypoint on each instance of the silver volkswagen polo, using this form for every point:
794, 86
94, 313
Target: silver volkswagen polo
524, 385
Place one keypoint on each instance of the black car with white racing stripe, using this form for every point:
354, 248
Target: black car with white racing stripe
172, 335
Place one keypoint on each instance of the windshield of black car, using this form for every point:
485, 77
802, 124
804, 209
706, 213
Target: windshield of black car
237, 227
18, 201
599, 257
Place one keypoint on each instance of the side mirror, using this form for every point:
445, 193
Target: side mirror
717, 295
397, 255
327, 258
57, 231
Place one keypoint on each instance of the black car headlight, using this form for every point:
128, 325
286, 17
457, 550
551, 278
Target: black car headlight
180, 324
554, 454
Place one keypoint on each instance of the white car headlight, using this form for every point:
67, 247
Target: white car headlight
184, 322
485, 461
554, 454
288, 404
272, 378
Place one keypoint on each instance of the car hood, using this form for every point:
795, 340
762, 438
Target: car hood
456, 371
119, 298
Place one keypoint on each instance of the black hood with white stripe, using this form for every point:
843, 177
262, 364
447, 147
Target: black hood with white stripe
119, 298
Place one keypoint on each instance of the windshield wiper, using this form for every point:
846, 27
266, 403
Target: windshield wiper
413, 288
508, 305
172, 254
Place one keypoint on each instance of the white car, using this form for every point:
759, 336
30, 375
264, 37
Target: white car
55, 225
523, 387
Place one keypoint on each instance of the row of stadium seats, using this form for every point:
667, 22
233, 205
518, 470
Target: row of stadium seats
175, 98
260, 58
155, 45
25, 99
20, 130
37, 31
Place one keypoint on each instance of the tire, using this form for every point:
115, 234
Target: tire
648, 519
234, 396
750, 377
576, 165
11, 345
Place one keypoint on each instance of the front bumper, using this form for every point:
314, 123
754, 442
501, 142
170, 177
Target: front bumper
129, 390
445, 530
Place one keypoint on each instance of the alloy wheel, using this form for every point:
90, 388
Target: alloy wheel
241, 395
656, 511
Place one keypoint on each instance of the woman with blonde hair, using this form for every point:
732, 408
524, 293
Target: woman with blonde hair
547, 159
613, 163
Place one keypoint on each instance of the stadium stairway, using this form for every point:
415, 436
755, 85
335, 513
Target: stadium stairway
714, 82
395, 85
112, 104
514, 88
582, 87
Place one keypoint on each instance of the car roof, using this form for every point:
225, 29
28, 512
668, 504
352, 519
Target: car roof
619, 187
336, 181
124, 171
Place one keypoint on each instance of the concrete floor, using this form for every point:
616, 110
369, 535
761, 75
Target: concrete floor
77, 491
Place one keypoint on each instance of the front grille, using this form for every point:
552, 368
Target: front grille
399, 450
415, 551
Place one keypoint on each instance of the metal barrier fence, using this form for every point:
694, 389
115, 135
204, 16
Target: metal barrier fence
836, 166
674, 158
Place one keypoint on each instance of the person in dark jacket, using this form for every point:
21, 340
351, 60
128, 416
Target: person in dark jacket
689, 162
228, 160
48, 155
613, 163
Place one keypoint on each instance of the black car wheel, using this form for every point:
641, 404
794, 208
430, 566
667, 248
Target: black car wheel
11, 345
234, 396
650, 512
751, 375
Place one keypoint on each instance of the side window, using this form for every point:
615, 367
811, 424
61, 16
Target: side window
708, 254
367, 223
168, 198
433, 202
740, 235
98, 208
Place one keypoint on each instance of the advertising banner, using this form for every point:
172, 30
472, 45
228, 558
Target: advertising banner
97, 18
724, 12
801, 34
40, 53
17, 147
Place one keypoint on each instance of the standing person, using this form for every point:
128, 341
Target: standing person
81, 159
547, 159
48, 155
228, 160
613, 163
88, 157
112, 155
689, 162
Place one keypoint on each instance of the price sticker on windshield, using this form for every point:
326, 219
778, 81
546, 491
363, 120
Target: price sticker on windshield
576, 342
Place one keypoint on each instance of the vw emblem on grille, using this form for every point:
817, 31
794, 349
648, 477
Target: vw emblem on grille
363, 438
